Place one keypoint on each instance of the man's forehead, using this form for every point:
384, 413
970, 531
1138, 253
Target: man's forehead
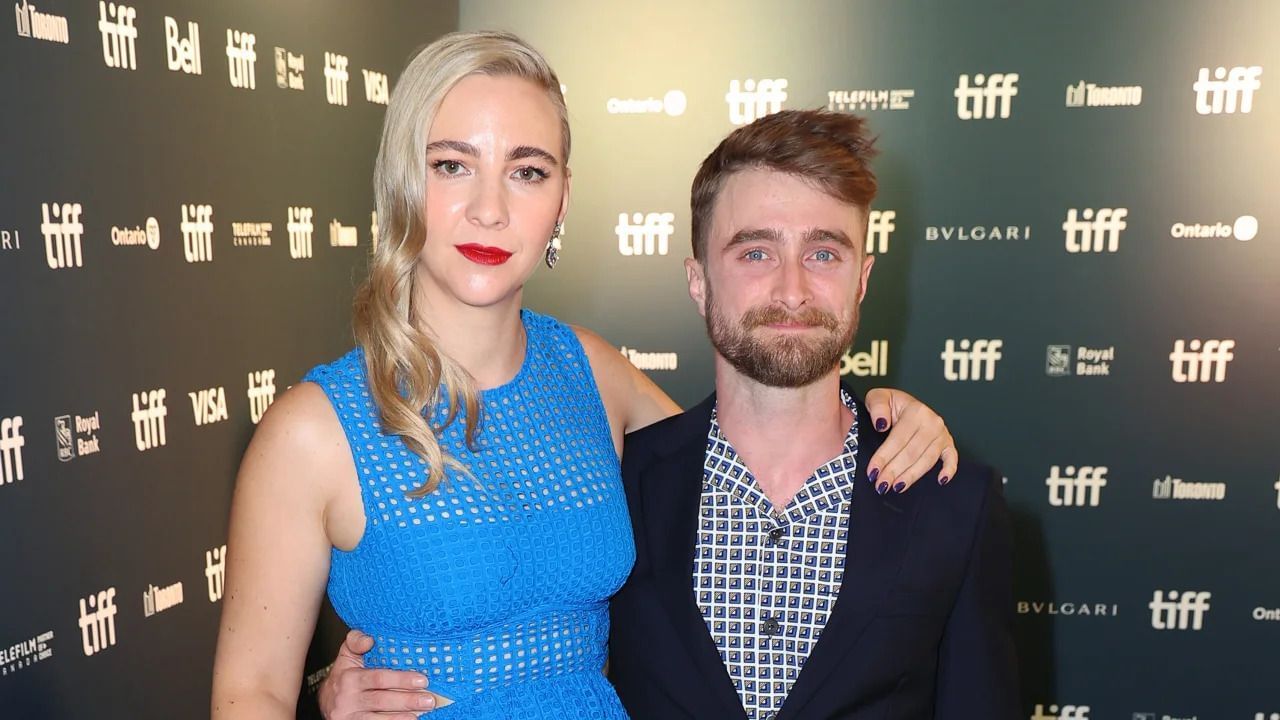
768, 199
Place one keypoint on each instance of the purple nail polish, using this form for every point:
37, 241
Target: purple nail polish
899, 487
875, 473
881, 424
944, 480
882, 488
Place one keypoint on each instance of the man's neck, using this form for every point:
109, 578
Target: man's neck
781, 434
489, 342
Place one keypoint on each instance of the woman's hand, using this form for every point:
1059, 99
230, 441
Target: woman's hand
917, 440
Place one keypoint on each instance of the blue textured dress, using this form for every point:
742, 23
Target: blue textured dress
494, 586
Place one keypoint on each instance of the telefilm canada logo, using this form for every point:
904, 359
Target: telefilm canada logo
22, 655
863, 100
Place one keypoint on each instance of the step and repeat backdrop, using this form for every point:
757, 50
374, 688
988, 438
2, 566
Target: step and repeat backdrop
1076, 263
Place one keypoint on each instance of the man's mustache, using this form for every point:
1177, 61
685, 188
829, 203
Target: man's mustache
773, 315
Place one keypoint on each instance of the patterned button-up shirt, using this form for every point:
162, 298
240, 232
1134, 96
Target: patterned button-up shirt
766, 578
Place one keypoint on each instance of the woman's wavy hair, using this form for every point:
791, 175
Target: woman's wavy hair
408, 374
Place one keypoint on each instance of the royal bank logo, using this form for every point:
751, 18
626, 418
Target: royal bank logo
750, 100
1064, 361
1094, 231
197, 233
147, 235
1087, 94
651, 360
673, 103
971, 360
119, 35
1201, 361
1172, 488
242, 59
870, 363
40, 26
158, 599
1179, 610
977, 232
1072, 487
215, 566
208, 405
26, 653
987, 97
880, 226
376, 87
63, 232
645, 233
861, 100
1244, 228
98, 621
1067, 609
300, 228
11, 444
1066, 712
77, 435
261, 392
1230, 91
289, 70
182, 54
335, 78
148, 417
10, 240
251, 234
342, 235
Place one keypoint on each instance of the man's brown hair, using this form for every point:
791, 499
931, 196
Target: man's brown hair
831, 150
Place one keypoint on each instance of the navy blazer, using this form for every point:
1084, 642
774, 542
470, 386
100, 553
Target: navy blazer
923, 626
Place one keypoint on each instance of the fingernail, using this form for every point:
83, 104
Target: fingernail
882, 488
944, 480
426, 701
899, 487
875, 473
420, 681
881, 424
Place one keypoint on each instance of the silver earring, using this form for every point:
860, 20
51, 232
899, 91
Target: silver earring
553, 246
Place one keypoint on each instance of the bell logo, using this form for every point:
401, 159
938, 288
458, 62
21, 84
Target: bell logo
1228, 92
1067, 712
98, 621
11, 442
974, 360
1087, 231
1201, 362
197, 233
119, 35
63, 231
262, 392
1179, 610
753, 99
645, 233
1074, 488
182, 54
879, 227
335, 78
242, 59
215, 567
300, 229
988, 96
874, 363
148, 417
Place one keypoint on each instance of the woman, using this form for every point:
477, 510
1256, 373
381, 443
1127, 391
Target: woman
455, 477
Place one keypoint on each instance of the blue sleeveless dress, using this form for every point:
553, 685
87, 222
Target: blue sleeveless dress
495, 586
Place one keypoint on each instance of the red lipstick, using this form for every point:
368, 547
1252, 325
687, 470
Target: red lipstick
483, 254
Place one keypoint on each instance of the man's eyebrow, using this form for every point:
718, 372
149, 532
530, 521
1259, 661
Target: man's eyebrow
819, 235
456, 146
529, 151
754, 235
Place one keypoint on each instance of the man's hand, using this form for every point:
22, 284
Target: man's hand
353, 692
919, 439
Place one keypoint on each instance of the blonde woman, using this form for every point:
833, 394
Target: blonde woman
454, 479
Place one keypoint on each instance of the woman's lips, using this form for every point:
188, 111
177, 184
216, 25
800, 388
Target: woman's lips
483, 254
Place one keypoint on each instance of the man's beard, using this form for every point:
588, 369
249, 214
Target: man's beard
788, 361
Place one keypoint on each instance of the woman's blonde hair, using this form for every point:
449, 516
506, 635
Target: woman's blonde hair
408, 374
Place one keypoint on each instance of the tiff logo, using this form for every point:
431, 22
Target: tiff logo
1179, 613
989, 95
1265, 716
1067, 712
182, 54
148, 417
62, 232
753, 99
375, 87
1201, 362
975, 360
215, 564
262, 392
11, 442
197, 233
1228, 91
208, 406
1074, 488
41, 26
879, 227
241, 59
300, 229
335, 78
98, 621
645, 233
115, 22
1090, 231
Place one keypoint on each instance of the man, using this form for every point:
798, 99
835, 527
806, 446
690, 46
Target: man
763, 588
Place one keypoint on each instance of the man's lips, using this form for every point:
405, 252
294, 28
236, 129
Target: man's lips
483, 254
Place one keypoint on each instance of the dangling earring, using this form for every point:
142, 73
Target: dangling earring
553, 246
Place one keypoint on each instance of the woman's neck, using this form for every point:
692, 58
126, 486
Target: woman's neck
488, 342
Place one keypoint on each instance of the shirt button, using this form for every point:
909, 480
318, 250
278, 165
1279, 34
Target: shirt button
775, 535
770, 626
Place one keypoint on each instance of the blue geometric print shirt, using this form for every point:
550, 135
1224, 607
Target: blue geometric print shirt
766, 578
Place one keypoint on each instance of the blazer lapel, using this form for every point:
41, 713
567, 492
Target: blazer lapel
672, 492
879, 527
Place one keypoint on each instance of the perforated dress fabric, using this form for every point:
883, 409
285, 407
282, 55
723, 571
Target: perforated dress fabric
496, 585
